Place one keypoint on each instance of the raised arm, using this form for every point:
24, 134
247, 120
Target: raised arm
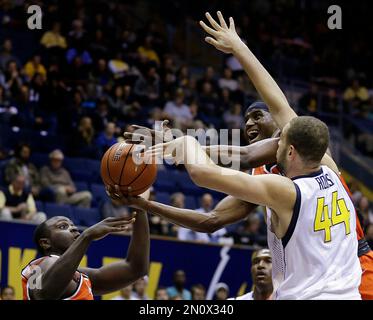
57, 273
226, 39
118, 275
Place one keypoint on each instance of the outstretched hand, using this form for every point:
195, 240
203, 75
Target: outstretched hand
223, 38
120, 199
149, 136
109, 226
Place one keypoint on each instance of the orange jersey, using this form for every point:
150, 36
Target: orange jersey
82, 292
366, 259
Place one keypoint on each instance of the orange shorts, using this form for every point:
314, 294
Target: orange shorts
366, 286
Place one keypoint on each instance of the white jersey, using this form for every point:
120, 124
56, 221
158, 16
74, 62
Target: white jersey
247, 296
317, 257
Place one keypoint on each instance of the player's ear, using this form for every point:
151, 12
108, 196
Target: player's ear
45, 243
291, 151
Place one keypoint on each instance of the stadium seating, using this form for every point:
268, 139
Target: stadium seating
53, 209
85, 216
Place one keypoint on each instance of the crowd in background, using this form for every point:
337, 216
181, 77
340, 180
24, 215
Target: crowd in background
93, 70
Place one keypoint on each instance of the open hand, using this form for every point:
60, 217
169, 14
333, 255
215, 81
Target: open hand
223, 38
109, 226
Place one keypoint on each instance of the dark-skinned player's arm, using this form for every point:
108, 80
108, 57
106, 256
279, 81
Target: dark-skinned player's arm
262, 190
229, 210
57, 274
226, 39
120, 274
250, 156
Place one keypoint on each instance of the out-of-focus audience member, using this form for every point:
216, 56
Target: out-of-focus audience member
198, 292
8, 293
17, 202
161, 294
21, 164
106, 138
139, 289
126, 294
56, 177
221, 291
178, 289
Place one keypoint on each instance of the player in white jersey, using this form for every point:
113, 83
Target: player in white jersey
312, 219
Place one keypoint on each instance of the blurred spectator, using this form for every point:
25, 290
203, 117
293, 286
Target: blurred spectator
330, 102
7, 55
355, 95
126, 294
21, 164
233, 118
161, 294
227, 81
34, 66
309, 101
111, 209
365, 210
13, 79
82, 144
369, 234
210, 78
118, 66
184, 234
221, 291
178, 111
53, 38
207, 204
58, 178
198, 292
248, 233
147, 87
16, 202
147, 50
106, 138
139, 289
178, 289
8, 293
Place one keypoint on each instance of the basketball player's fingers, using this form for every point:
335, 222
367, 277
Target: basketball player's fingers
118, 229
121, 222
165, 123
208, 29
212, 41
135, 137
221, 20
231, 24
145, 129
212, 21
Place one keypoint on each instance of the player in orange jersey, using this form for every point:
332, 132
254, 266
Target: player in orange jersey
57, 275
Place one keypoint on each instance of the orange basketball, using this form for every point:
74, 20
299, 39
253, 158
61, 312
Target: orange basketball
120, 166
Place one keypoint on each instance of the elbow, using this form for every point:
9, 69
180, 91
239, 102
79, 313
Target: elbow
211, 225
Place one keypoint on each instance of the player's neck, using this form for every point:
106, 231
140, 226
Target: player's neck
297, 171
262, 293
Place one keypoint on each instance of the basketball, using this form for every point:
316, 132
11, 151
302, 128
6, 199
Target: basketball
119, 168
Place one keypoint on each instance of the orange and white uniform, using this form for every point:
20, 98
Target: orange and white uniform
365, 253
82, 292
